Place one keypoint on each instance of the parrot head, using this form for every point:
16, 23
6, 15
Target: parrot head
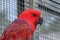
32, 16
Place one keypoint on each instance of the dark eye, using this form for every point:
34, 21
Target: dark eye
34, 14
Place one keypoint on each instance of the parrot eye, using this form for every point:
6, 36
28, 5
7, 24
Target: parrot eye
34, 14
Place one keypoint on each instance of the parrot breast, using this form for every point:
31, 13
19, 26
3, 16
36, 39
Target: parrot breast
17, 30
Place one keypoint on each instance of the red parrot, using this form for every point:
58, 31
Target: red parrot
24, 26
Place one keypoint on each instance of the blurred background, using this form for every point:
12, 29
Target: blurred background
50, 9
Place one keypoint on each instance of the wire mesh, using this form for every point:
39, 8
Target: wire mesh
50, 30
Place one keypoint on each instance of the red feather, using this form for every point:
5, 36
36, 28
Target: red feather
23, 27
18, 30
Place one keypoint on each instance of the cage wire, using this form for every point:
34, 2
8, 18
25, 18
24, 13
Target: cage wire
10, 10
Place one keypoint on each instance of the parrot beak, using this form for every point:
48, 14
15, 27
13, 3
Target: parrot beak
40, 21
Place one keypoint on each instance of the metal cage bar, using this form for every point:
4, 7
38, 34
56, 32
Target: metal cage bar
50, 30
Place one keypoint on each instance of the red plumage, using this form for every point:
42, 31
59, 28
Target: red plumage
23, 27
18, 30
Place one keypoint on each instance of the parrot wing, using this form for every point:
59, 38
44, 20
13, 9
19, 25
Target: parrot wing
17, 31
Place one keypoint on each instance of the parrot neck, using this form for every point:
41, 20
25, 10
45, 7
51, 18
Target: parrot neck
30, 23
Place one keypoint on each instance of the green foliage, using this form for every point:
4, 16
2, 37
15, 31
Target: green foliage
3, 21
1, 18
